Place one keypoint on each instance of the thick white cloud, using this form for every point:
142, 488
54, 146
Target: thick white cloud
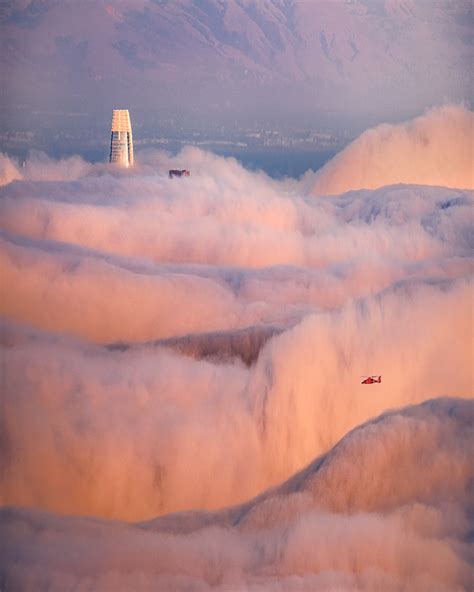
194, 277
143, 432
248, 250
9, 170
387, 508
434, 149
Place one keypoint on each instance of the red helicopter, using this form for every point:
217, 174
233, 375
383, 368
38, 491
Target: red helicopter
371, 379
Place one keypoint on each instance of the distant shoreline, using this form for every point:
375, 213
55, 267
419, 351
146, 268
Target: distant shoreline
276, 162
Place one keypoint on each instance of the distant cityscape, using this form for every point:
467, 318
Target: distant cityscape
92, 141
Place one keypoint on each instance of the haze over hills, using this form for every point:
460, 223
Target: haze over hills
287, 60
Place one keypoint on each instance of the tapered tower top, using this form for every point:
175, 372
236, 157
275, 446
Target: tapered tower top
121, 120
121, 142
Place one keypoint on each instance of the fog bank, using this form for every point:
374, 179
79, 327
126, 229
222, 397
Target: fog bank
172, 347
433, 149
387, 508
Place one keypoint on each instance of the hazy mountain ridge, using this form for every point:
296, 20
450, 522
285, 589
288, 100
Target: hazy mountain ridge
324, 55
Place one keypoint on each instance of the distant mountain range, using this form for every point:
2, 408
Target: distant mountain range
236, 58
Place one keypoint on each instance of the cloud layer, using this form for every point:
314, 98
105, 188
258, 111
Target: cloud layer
434, 149
387, 508
169, 345
136, 418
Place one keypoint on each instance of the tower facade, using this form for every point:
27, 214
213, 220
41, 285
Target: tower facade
121, 142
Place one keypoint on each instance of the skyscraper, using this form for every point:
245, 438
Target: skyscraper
121, 143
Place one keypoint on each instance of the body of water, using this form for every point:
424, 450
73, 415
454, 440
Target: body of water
277, 163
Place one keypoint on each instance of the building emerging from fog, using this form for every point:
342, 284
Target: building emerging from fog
121, 143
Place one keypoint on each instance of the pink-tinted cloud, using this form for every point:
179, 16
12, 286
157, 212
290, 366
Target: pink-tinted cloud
368, 282
387, 508
434, 149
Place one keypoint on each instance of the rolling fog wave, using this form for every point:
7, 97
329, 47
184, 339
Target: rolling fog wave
387, 508
175, 345
361, 244
137, 417
433, 149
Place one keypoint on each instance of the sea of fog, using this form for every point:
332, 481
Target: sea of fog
181, 368
275, 162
